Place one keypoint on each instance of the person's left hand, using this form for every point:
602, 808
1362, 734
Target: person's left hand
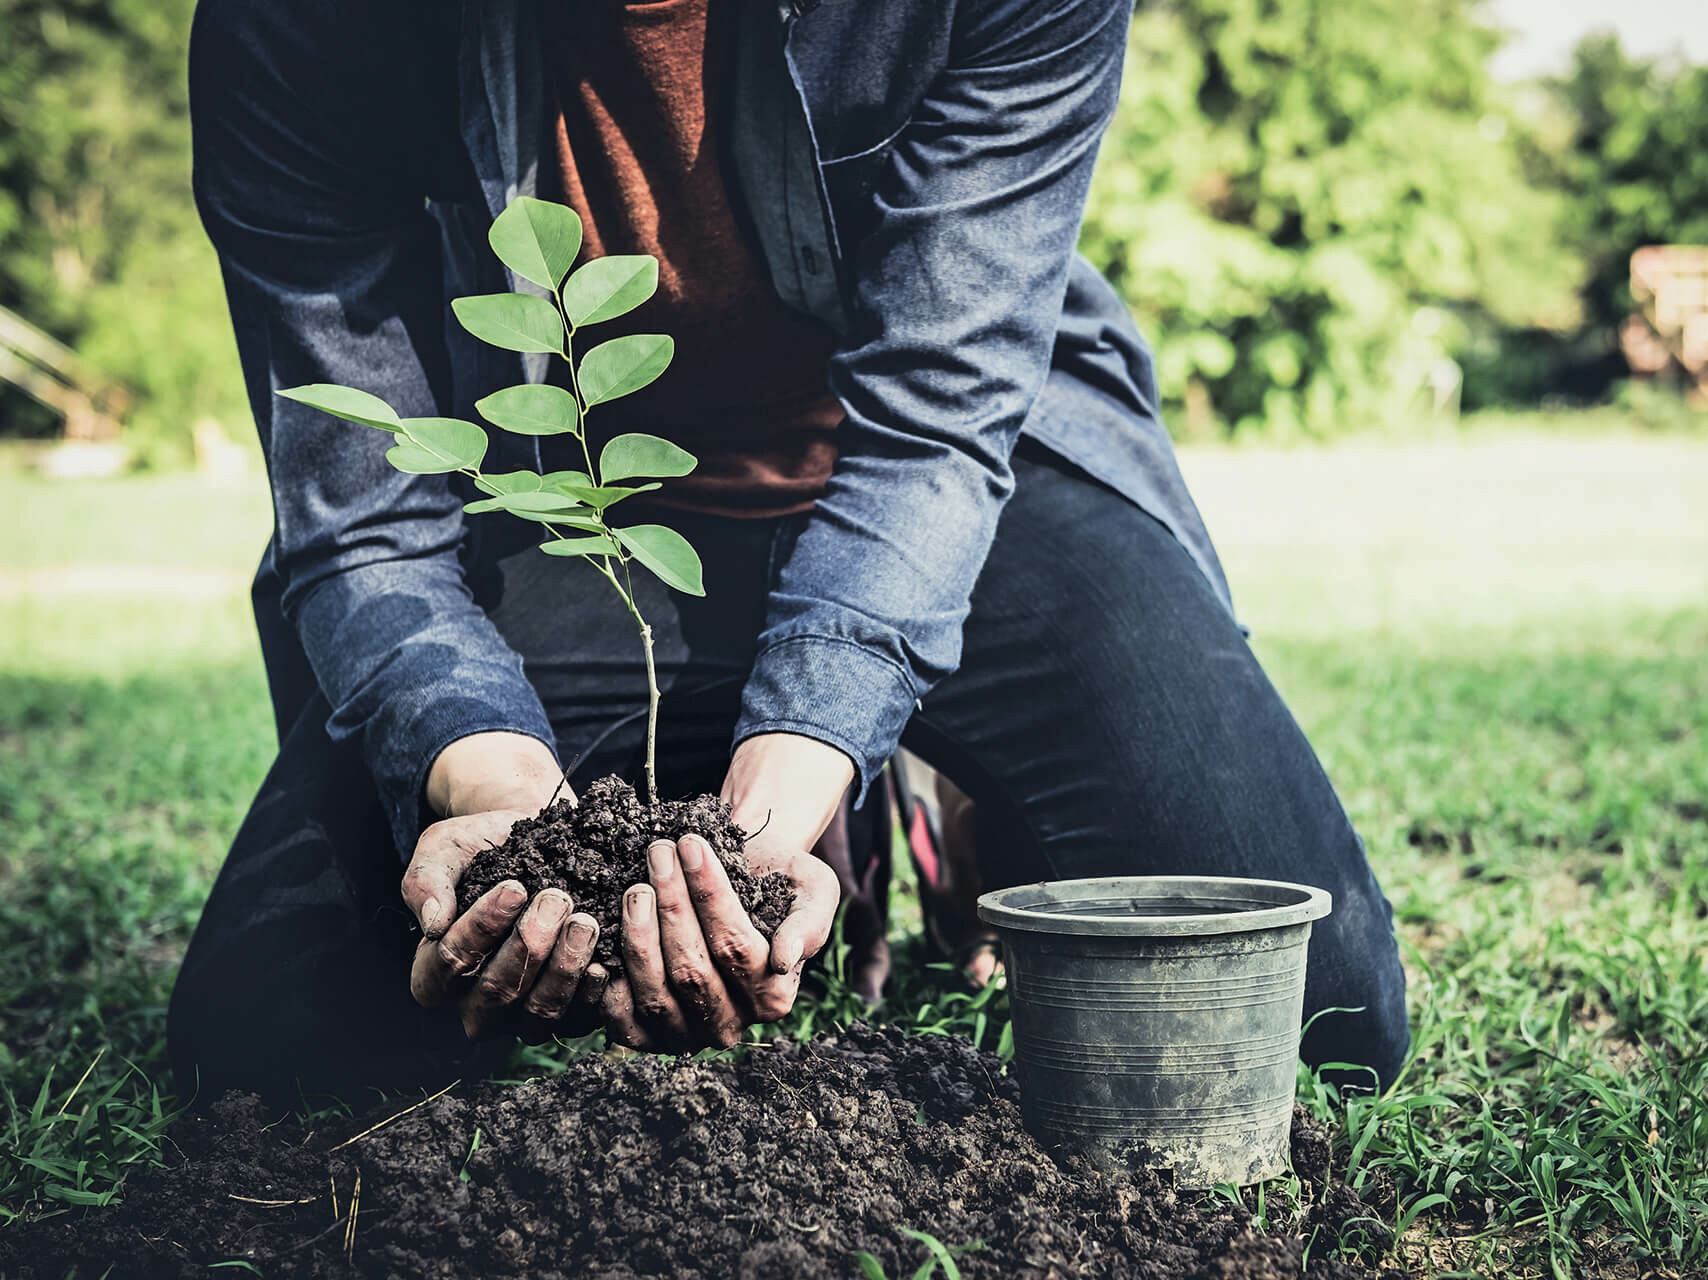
696, 971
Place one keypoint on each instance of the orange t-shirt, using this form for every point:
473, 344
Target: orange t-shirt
639, 87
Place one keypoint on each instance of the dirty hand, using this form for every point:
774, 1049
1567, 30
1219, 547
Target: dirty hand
503, 956
697, 969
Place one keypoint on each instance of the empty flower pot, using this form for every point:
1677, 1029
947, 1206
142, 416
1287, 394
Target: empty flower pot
1156, 1018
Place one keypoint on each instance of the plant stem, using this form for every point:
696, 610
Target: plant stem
568, 354
651, 686
652, 694
604, 562
651, 715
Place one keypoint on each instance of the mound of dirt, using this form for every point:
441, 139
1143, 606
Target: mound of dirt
783, 1162
596, 849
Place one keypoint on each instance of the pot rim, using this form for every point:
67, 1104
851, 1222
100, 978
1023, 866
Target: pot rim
1021, 907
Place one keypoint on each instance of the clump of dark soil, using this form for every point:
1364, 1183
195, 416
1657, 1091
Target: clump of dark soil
782, 1162
596, 849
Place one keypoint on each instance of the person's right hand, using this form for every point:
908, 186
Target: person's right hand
504, 959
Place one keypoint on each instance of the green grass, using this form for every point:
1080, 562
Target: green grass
1496, 644
939, 1258
1537, 819
173, 520
133, 732
117, 799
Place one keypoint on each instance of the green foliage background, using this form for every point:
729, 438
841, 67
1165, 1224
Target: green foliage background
99, 240
1308, 203
1625, 146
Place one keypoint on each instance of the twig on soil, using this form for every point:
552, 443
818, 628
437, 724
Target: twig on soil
350, 1231
272, 1204
333, 1183
308, 1244
383, 1123
791, 1091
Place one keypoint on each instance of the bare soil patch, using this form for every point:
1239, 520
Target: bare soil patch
780, 1162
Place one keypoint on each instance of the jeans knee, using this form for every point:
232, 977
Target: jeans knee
1368, 1032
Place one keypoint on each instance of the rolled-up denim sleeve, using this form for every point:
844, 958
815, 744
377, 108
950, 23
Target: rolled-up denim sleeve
956, 296
332, 269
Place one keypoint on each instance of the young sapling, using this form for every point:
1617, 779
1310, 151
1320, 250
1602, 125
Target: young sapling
539, 241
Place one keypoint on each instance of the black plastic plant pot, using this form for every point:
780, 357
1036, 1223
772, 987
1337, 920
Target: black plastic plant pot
1156, 1018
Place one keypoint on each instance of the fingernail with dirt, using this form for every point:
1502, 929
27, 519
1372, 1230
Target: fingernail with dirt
593, 985
581, 934
691, 849
635, 904
660, 860
511, 895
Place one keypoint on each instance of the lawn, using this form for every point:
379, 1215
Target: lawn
1496, 642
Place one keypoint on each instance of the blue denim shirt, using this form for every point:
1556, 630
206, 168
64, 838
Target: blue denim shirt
916, 171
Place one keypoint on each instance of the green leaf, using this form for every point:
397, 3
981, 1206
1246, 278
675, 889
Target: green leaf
576, 520
667, 554
537, 239
523, 504
940, 1255
417, 461
345, 402
532, 409
567, 482
556, 479
870, 1267
75, 1195
454, 442
642, 455
514, 321
511, 482
580, 547
605, 288
623, 365
601, 496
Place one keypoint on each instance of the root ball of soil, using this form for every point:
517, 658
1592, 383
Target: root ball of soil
596, 849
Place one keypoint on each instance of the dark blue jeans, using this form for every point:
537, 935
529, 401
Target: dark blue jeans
1107, 718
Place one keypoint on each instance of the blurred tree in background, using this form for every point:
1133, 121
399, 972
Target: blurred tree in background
1312, 204
1624, 141
1635, 163
99, 240
1323, 212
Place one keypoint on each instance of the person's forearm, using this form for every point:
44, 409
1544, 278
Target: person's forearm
488, 771
786, 787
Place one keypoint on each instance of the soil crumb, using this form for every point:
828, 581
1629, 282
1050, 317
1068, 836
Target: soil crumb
785, 1161
596, 849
